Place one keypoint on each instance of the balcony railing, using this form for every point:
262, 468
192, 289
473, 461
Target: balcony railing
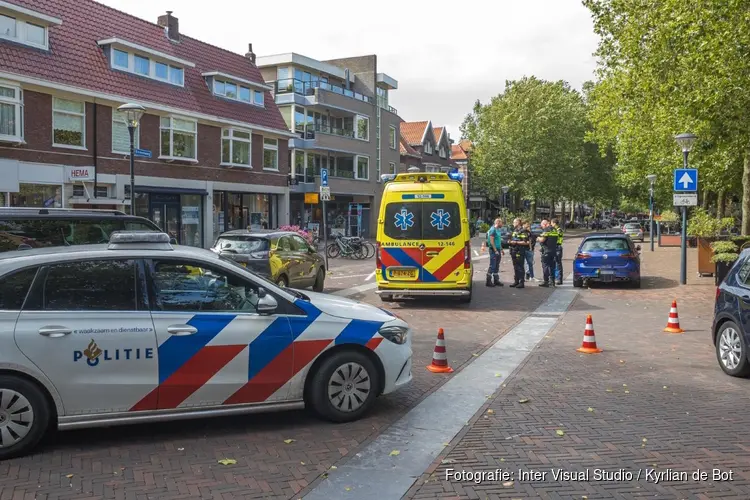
384, 104
312, 129
292, 85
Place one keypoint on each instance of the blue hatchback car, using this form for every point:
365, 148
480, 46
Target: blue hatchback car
607, 258
731, 328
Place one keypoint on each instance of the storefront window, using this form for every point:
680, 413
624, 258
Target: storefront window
192, 233
251, 211
37, 195
218, 213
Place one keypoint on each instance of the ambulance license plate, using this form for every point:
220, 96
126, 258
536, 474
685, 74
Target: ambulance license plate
407, 274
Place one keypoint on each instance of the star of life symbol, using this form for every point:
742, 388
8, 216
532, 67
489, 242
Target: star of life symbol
404, 220
440, 219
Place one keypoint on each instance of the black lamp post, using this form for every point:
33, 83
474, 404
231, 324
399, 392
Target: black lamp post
685, 142
505, 190
133, 113
651, 178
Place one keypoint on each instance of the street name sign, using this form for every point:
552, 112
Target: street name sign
685, 180
144, 153
685, 199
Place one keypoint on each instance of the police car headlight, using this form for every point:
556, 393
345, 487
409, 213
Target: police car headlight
396, 334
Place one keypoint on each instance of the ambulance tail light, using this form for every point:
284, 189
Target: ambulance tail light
378, 255
467, 255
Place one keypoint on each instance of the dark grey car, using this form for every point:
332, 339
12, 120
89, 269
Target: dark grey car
284, 257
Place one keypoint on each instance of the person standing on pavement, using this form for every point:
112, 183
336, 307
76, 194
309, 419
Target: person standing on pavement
519, 245
548, 242
495, 247
530, 253
559, 252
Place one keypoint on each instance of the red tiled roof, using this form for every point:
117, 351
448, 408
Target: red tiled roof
407, 150
466, 145
457, 153
413, 132
75, 59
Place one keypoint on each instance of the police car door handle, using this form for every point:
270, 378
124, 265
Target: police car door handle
182, 330
54, 331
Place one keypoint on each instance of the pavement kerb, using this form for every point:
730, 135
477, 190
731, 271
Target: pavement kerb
427, 475
456, 369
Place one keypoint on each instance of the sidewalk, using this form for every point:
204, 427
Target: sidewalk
649, 411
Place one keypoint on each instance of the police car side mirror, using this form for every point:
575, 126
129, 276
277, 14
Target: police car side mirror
267, 304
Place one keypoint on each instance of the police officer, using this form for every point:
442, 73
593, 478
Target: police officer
559, 253
519, 244
548, 242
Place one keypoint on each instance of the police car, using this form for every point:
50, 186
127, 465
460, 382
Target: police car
140, 331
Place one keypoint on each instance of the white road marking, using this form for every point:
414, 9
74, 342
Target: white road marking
370, 276
376, 473
334, 277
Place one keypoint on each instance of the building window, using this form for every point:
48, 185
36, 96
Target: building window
68, 123
271, 154
178, 138
146, 67
23, 32
11, 114
392, 137
392, 168
432, 169
101, 192
235, 147
363, 168
238, 92
363, 128
78, 191
442, 152
428, 147
121, 135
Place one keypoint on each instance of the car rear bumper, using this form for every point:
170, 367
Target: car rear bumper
595, 275
423, 292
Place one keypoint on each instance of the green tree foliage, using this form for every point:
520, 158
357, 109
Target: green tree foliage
532, 138
666, 67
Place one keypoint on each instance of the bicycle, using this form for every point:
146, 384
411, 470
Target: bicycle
345, 247
368, 249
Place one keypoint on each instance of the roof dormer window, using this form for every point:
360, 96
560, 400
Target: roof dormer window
142, 61
428, 147
237, 89
25, 26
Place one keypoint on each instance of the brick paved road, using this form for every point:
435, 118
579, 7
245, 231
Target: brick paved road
650, 401
180, 460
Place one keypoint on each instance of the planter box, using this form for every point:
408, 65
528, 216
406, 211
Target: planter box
705, 253
670, 240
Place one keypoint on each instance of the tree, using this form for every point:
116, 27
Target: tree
531, 138
669, 66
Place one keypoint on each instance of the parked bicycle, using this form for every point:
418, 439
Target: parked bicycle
351, 247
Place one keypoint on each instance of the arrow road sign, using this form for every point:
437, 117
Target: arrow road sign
686, 180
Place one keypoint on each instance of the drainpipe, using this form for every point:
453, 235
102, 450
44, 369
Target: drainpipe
95, 149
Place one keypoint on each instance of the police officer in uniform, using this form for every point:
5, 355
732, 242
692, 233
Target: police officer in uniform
559, 252
548, 241
519, 244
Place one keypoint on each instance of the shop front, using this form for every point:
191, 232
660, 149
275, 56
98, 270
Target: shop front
177, 211
253, 211
345, 215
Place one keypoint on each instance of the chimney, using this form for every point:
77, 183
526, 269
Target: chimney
172, 26
250, 54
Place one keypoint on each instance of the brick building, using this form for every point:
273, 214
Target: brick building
214, 144
425, 147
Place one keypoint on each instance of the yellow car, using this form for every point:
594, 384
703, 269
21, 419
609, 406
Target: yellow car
423, 242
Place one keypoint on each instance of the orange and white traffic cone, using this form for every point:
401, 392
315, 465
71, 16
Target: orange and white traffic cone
673, 322
439, 357
589, 339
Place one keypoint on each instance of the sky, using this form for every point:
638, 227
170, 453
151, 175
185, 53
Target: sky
444, 54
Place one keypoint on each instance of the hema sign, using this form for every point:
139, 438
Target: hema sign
80, 173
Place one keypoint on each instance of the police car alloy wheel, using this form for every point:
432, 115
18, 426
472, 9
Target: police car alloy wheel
24, 416
344, 386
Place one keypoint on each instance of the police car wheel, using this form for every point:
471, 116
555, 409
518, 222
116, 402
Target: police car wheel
344, 387
24, 416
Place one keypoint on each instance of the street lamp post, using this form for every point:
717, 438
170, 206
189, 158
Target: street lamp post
651, 178
133, 113
685, 141
505, 202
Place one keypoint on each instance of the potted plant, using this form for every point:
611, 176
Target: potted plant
706, 229
725, 253
483, 228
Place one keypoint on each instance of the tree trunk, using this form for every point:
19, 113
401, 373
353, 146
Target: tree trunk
572, 211
562, 213
552, 208
720, 200
533, 209
704, 204
746, 194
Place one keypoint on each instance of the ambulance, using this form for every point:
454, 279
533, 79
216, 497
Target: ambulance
423, 240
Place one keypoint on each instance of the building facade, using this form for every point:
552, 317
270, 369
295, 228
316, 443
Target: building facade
339, 113
426, 147
212, 146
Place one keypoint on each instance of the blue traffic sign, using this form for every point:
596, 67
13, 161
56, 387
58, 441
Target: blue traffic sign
145, 153
685, 180
323, 176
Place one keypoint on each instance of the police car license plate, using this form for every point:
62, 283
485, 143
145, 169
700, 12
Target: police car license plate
404, 274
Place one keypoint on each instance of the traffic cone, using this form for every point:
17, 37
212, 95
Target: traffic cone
589, 339
439, 357
673, 322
